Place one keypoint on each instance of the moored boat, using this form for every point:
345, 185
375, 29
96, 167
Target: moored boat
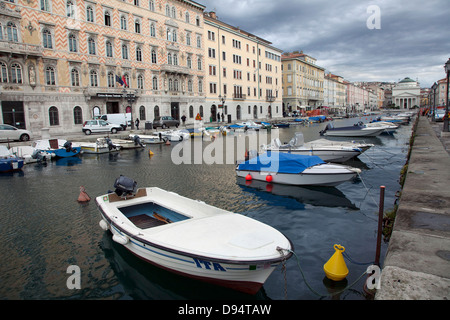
148, 138
59, 147
30, 154
192, 238
8, 161
356, 130
327, 152
101, 145
293, 169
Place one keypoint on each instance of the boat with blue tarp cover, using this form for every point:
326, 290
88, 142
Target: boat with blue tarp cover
294, 169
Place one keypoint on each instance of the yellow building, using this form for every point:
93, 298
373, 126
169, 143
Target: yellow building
243, 74
302, 82
66, 61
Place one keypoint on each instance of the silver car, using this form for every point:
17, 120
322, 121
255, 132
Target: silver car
10, 133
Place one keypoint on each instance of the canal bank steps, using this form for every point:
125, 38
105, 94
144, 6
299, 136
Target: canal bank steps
417, 263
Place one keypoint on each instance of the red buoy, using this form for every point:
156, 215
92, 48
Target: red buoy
83, 197
269, 178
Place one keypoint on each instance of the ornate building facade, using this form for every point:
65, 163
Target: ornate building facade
406, 94
66, 61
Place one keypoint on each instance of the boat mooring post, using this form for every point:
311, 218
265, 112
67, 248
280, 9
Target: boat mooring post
380, 225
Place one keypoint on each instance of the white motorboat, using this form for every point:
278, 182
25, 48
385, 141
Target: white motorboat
30, 154
149, 138
250, 125
327, 152
192, 238
389, 127
174, 135
352, 144
356, 130
8, 161
59, 147
293, 169
101, 145
128, 144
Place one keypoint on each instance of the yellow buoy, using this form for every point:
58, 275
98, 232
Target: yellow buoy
335, 268
150, 153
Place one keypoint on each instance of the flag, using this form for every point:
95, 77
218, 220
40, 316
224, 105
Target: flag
124, 81
119, 80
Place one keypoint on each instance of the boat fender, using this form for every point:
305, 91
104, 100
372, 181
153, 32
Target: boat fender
248, 177
269, 178
104, 225
120, 239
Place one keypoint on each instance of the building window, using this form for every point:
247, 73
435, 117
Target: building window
50, 79
126, 81
200, 86
47, 39
136, 3
140, 82
53, 116
11, 30
156, 112
174, 12
3, 72
111, 80
191, 112
109, 49
72, 43
138, 54
91, 46
167, 10
190, 85
137, 26
70, 9
125, 52
188, 38
151, 5
175, 59
155, 83
187, 18
45, 6
152, 30
77, 115
123, 23
154, 56
93, 78
169, 58
107, 19
89, 14
199, 63
75, 78
142, 112
199, 41
189, 62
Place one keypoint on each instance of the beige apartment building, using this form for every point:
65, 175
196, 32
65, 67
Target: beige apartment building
303, 82
65, 61
243, 74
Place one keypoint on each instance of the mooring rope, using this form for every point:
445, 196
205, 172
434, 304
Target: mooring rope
308, 285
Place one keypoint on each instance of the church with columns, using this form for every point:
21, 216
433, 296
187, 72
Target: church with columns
406, 93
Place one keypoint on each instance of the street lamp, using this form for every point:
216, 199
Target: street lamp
447, 70
434, 87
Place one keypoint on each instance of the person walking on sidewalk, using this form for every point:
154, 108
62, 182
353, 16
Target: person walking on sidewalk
136, 123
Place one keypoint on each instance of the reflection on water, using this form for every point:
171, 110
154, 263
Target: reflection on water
44, 230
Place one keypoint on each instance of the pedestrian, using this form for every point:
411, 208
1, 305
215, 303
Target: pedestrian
183, 118
136, 123
218, 116
223, 117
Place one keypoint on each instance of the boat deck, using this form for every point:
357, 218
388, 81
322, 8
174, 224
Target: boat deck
144, 221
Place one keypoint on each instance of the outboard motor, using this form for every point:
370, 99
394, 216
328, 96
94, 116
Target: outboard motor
38, 156
125, 186
68, 146
137, 141
324, 130
111, 145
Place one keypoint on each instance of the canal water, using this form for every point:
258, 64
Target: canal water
44, 230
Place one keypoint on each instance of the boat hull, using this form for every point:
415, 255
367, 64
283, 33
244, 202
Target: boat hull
353, 133
11, 165
240, 255
309, 177
326, 155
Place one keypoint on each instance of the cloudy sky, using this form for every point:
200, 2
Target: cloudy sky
406, 38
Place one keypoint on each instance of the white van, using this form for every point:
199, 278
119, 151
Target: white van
124, 119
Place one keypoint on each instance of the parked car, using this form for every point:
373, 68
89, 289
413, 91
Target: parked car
165, 122
439, 116
94, 126
8, 132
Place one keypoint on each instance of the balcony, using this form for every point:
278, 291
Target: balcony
20, 48
239, 96
270, 99
170, 68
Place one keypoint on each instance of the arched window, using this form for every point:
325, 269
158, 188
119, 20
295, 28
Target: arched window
91, 46
70, 9
125, 52
53, 116
169, 58
201, 111
137, 26
77, 115
16, 73
187, 17
191, 112
170, 85
93, 78
190, 85
95, 111
167, 10
11, 30
152, 30
123, 23
75, 77
89, 14
151, 5
156, 112
126, 77
189, 62
142, 112
3, 72
50, 78
154, 56
72, 43
140, 82
175, 59
111, 80
109, 49
107, 18
174, 12
47, 39
138, 54
175, 85
155, 83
